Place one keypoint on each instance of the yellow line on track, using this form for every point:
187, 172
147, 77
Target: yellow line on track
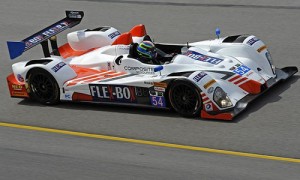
153, 143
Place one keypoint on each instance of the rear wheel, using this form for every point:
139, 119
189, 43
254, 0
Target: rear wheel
43, 87
185, 98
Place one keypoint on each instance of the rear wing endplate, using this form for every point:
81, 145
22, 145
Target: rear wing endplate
17, 48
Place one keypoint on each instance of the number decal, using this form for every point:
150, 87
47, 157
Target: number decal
242, 70
158, 101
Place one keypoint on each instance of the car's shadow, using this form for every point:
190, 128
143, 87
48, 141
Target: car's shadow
112, 108
271, 96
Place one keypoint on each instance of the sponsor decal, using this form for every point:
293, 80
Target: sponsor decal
118, 61
156, 93
210, 90
68, 96
17, 87
141, 92
123, 47
142, 70
17, 93
208, 107
58, 66
209, 83
160, 84
148, 83
75, 15
47, 33
202, 57
20, 78
252, 41
113, 93
54, 30
114, 34
158, 101
161, 89
234, 67
199, 76
242, 70
34, 40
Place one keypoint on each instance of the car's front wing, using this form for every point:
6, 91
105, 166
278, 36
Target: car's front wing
281, 75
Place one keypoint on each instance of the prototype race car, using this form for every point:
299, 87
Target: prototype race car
213, 79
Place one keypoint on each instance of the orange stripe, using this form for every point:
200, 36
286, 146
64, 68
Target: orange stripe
241, 80
203, 95
261, 48
209, 83
92, 76
86, 74
234, 78
71, 83
106, 76
205, 99
82, 72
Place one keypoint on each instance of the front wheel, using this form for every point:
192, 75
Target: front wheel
185, 98
43, 87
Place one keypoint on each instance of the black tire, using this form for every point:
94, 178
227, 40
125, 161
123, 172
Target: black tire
43, 87
185, 98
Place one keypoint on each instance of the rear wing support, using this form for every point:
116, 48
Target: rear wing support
16, 49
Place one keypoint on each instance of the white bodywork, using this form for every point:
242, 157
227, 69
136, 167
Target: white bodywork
214, 58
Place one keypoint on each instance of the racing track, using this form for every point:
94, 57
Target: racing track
269, 126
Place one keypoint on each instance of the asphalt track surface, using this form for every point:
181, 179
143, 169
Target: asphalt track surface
270, 126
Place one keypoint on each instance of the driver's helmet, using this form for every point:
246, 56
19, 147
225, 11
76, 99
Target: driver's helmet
146, 51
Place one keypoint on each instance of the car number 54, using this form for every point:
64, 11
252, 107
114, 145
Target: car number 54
158, 101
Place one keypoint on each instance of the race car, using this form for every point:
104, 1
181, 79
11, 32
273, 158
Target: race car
211, 79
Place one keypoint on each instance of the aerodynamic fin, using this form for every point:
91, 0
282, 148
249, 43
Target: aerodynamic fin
17, 48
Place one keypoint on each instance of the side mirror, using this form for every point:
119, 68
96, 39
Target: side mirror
158, 68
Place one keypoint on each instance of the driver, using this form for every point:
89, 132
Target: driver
146, 52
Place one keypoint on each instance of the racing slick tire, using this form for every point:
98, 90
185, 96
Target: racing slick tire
43, 87
185, 98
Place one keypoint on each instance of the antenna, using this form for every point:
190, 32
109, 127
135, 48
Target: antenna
218, 32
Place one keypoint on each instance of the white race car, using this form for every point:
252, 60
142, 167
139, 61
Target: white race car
213, 79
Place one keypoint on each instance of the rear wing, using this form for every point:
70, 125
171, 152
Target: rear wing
17, 48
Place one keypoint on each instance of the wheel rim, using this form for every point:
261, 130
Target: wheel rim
185, 99
42, 87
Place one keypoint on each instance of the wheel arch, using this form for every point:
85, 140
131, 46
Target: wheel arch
186, 81
61, 74
40, 91
184, 76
